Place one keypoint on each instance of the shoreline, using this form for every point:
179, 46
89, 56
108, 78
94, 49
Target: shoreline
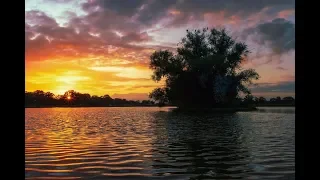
238, 109
181, 109
84, 106
276, 105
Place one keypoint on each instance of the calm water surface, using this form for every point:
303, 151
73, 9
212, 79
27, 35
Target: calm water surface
152, 143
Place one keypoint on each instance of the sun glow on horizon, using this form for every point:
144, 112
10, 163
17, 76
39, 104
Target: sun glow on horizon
105, 48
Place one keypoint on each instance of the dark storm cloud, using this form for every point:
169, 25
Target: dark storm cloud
196, 9
146, 11
150, 11
279, 33
131, 18
233, 6
288, 86
271, 41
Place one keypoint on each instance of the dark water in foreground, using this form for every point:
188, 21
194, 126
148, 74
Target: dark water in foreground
146, 143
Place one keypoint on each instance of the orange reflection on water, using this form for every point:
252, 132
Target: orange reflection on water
77, 142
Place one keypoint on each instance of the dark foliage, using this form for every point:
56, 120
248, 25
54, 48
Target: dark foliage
47, 99
72, 98
204, 72
286, 101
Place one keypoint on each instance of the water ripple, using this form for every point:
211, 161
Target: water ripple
145, 143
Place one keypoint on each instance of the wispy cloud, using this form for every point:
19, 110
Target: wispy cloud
110, 40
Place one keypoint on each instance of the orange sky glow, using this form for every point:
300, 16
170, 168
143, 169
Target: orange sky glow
86, 47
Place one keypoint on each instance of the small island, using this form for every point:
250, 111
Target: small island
205, 73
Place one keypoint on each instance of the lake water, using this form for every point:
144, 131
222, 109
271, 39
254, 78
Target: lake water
152, 142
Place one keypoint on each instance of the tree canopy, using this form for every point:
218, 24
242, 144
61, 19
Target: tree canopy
205, 71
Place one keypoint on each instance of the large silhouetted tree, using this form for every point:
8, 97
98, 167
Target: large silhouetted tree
204, 72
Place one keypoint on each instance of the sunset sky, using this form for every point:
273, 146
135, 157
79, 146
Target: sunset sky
103, 46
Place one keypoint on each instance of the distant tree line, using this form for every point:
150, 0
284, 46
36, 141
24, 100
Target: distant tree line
72, 98
261, 101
